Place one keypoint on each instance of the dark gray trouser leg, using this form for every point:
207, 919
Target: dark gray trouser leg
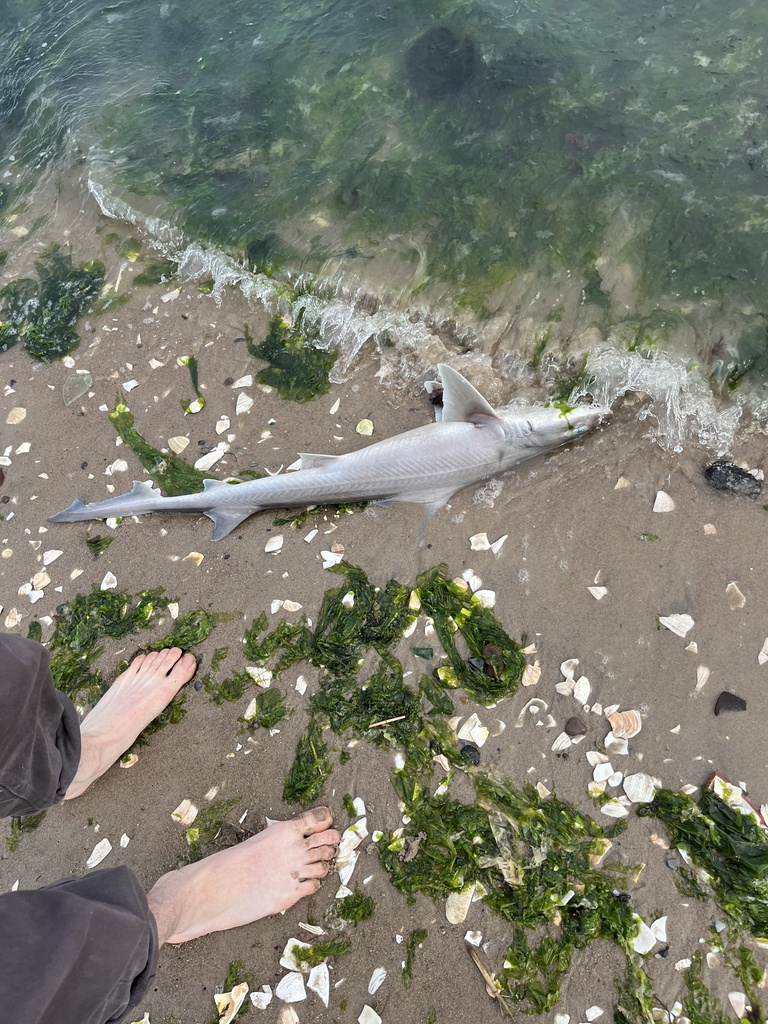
39, 731
80, 951
83, 950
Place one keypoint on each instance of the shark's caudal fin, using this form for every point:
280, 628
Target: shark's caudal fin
70, 514
461, 401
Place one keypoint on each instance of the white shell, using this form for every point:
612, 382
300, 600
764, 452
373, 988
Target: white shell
615, 779
596, 757
263, 998
365, 427
274, 544
205, 462
222, 424
735, 597
738, 1001
568, 668
185, 813
479, 542
228, 1003
702, 675
498, 544
100, 851
473, 938
639, 788
287, 1015
368, 1016
458, 903
51, 556
292, 606
762, 657
244, 403
532, 674
290, 988
593, 1012
473, 731
616, 745
562, 742
16, 416
109, 582
261, 676
195, 557
659, 928
377, 980
598, 592
40, 580
620, 484
602, 772
319, 982
645, 940
288, 959
487, 598
534, 706
582, 690
663, 502
243, 382
680, 625
613, 809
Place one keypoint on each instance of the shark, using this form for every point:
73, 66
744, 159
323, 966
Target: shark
468, 443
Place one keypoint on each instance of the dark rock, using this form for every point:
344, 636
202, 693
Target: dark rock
724, 476
470, 753
729, 702
575, 727
477, 663
439, 64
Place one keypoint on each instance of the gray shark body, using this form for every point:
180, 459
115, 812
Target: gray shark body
472, 442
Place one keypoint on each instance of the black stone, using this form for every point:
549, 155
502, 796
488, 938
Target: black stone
439, 64
724, 476
729, 702
470, 753
575, 727
477, 663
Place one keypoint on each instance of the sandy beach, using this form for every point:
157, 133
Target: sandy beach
568, 526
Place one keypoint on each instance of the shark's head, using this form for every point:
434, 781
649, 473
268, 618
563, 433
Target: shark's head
541, 428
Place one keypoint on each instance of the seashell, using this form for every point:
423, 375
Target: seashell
595, 757
243, 382
625, 724
639, 788
644, 940
614, 809
287, 1015
498, 544
365, 427
178, 444
487, 598
702, 675
290, 988
288, 958
313, 929
582, 690
195, 557
205, 462
331, 558
595, 789
276, 605
173, 609
735, 597
244, 403
75, 386
118, 466
710, 530
615, 779
51, 556
659, 928
473, 731
663, 502
458, 903
16, 416
292, 606
562, 742
542, 790
185, 813
598, 592
684, 964
100, 851
532, 673
602, 772
261, 676
301, 685
568, 668
473, 938
533, 707
228, 1003
319, 982
128, 760
621, 483
109, 582
680, 625
377, 980
616, 744
562, 1018
129, 385
738, 1001
222, 424
263, 998
479, 542
274, 544
598, 850
565, 687
124, 840
35, 596
40, 580
368, 1016
593, 1012
762, 657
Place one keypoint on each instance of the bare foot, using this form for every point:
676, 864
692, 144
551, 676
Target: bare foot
135, 699
264, 875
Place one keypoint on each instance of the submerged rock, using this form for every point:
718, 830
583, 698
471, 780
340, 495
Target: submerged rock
724, 476
439, 64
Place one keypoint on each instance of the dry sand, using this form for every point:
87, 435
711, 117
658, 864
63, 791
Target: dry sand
567, 527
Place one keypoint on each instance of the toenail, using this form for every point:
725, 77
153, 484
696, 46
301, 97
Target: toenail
319, 813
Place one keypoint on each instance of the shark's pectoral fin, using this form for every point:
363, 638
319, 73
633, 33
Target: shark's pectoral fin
461, 402
225, 520
310, 461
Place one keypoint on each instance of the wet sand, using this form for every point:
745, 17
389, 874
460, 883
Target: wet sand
568, 528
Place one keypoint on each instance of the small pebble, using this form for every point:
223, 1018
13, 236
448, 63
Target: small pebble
724, 476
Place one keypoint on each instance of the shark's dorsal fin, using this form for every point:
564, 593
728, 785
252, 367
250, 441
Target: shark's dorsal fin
309, 461
461, 402
211, 484
143, 487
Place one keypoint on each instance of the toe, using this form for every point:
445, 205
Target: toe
317, 870
316, 819
184, 668
328, 838
319, 853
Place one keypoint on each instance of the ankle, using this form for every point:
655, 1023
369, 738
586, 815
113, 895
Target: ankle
166, 901
89, 767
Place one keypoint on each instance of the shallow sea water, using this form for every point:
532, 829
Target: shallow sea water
511, 187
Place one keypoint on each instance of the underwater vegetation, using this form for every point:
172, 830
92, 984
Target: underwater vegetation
41, 314
298, 368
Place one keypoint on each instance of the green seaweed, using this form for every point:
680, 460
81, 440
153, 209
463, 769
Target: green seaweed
98, 544
172, 474
218, 656
188, 631
230, 689
191, 363
699, 1005
156, 271
413, 943
42, 314
310, 769
207, 826
35, 631
355, 908
20, 825
321, 951
269, 710
299, 519
298, 368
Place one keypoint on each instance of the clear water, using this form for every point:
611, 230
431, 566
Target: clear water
527, 182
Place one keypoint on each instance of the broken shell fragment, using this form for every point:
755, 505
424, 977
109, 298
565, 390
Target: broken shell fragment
729, 702
762, 657
365, 427
534, 706
262, 998
598, 592
288, 959
109, 582
377, 980
274, 544
100, 851
582, 690
562, 742
319, 982
532, 673
644, 940
228, 1003
639, 788
290, 988
185, 813
458, 903
479, 542
602, 772
625, 724
680, 625
702, 675
614, 809
735, 597
368, 1016
244, 403
16, 416
195, 557
663, 502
